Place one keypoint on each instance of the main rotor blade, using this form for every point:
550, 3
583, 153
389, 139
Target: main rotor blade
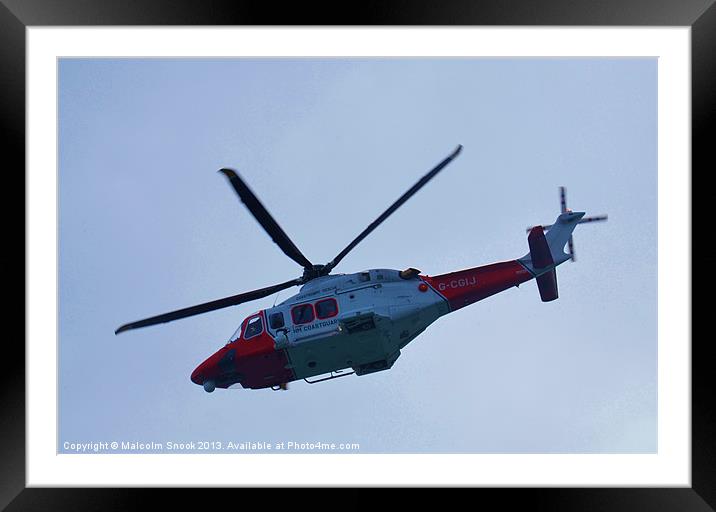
264, 218
394, 207
209, 306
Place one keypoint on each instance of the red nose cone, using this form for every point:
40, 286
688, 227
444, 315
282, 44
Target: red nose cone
211, 368
197, 376
206, 370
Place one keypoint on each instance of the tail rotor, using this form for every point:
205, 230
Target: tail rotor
583, 220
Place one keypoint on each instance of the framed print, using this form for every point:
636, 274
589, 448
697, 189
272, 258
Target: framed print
605, 402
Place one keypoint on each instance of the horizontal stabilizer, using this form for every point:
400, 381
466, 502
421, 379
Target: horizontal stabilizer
541, 258
547, 284
539, 249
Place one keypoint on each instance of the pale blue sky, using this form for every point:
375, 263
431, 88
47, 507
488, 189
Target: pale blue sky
146, 225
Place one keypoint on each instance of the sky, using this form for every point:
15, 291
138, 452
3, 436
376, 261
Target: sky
147, 225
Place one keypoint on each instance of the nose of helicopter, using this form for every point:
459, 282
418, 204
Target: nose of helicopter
208, 370
216, 368
197, 376
206, 375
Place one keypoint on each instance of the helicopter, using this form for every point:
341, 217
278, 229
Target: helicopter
345, 324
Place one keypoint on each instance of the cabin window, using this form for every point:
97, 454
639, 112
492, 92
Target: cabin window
326, 308
364, 276
254, 327
276, 320
302, 314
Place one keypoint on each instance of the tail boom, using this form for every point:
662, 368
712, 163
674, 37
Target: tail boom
464, 287
467, 286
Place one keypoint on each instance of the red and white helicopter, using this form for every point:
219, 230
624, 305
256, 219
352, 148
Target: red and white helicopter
359, 322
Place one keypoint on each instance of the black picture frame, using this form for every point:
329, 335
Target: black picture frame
700, 15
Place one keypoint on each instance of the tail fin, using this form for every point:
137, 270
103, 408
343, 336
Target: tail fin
563, 209
547, 250
559, 234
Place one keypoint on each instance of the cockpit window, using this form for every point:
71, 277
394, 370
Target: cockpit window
254, 327
276, 320
364, 276
235, 336
302, 314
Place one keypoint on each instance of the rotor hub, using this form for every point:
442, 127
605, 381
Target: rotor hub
314, 272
